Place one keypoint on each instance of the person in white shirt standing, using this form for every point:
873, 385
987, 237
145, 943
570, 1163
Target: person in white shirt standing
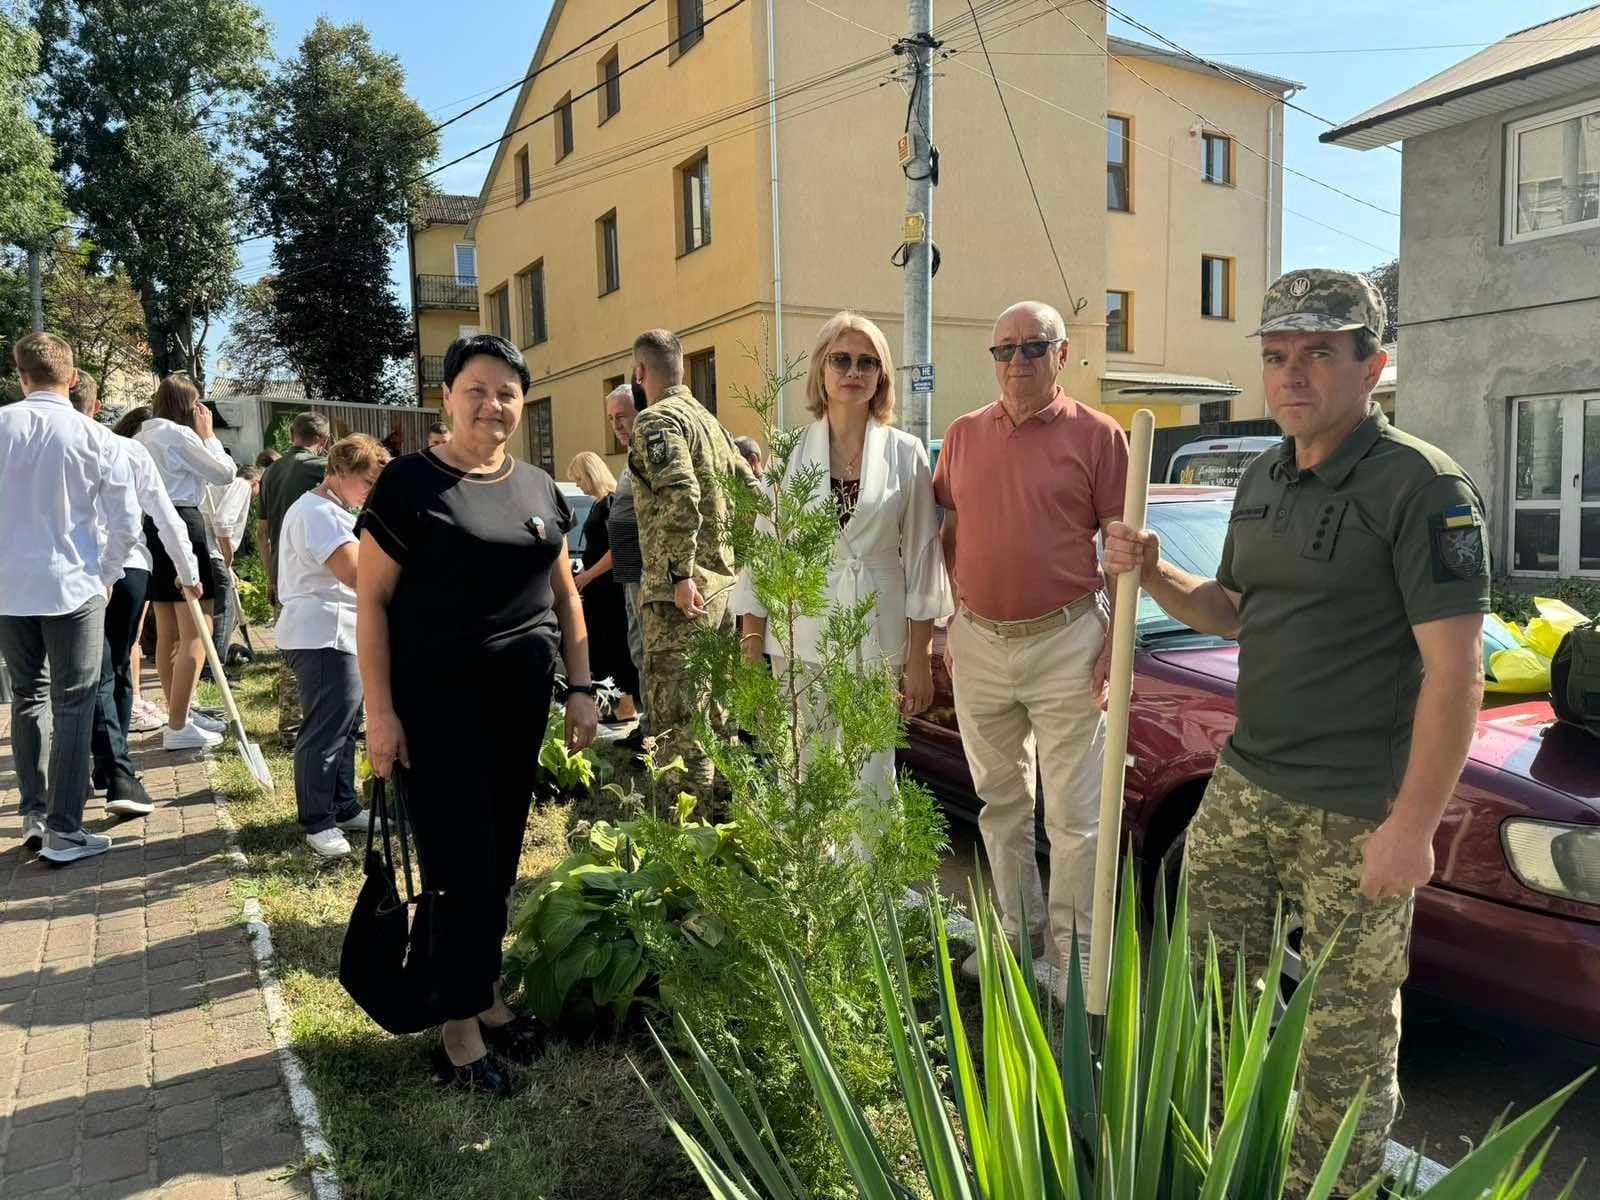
71, 517
227, 514
113, 766
188, 456
317, 633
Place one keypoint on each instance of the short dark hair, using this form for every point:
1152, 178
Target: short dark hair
309, 426
663, 351
438, 427
1367, 344
132, 421
43, 358
84, 393
266, 458
492, 345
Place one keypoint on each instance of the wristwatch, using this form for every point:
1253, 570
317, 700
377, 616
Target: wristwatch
582, 689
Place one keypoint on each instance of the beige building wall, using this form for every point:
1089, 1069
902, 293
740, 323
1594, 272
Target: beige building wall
1177, 216
433, 254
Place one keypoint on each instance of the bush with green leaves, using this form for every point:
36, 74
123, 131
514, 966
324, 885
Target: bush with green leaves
1054, 1115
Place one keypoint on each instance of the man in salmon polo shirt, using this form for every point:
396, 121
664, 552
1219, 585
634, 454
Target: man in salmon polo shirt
1026, 484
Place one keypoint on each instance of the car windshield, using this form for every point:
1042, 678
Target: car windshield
1215, 468
1191, 532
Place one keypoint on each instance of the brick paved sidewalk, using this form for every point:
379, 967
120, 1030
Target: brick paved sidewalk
135, 1055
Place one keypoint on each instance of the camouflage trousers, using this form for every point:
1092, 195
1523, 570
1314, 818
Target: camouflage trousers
674, 697
1247, 848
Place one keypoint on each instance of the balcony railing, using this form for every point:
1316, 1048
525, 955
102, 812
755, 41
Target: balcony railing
447, 291
432, 370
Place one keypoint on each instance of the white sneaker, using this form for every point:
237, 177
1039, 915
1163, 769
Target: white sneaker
69, 847
33, 833
330, 843
127, 806
360, 823
190, 737
145, 717
209, 724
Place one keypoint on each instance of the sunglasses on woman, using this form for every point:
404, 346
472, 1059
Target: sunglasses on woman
867, 364
1030, 349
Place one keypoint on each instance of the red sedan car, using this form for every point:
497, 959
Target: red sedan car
1511, 922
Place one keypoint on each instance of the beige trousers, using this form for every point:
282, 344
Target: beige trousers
1025, 710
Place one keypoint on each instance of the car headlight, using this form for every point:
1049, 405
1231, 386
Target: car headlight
1559, 860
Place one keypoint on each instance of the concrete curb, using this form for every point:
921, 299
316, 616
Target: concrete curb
324, 1179
1396, 1158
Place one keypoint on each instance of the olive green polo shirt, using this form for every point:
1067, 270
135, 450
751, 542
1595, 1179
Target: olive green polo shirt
1334, 565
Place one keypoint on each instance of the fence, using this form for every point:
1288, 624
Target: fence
401, 427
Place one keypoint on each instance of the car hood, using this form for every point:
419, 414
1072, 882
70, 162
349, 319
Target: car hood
1519, 737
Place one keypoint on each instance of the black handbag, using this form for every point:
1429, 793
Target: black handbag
386, 962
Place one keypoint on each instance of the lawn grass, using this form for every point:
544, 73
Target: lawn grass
580, 1126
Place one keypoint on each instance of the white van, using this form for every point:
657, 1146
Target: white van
1216, 462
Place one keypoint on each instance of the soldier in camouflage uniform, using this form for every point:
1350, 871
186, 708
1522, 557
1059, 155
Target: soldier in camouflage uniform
1355, 576
678, 457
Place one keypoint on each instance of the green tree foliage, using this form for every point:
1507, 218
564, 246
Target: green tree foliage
254, 353
139, 99
340, 146
30, 193
1386, 277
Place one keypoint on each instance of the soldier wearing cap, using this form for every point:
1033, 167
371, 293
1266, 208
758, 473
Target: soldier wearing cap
1355, 577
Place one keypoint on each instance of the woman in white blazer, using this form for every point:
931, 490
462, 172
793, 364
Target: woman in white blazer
888, 542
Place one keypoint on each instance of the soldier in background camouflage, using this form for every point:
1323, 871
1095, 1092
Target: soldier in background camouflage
1355, 576
678, 456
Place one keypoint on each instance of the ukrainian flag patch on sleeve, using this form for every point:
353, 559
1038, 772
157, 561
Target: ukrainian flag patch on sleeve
1459, 517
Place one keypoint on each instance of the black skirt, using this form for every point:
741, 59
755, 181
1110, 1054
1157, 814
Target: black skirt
164, 572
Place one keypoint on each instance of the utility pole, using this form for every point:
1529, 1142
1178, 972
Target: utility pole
919, 161
36, 287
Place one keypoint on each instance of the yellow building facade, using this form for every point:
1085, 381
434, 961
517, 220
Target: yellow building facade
641, 183
444, 285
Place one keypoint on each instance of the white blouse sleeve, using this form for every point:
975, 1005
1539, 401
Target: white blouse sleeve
207, 459
928, 596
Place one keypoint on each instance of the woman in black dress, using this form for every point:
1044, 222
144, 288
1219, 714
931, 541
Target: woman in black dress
604, 609
464, 597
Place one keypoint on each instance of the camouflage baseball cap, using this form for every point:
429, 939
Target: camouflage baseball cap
1321, 301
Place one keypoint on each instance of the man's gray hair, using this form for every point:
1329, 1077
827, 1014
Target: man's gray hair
748, 447
622, 389
663, 352
1050, 315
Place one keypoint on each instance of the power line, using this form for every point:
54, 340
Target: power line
1266, 158
1077, 305
1295, 53
1112, 10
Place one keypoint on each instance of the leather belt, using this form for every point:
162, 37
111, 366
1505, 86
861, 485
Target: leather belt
1021, 629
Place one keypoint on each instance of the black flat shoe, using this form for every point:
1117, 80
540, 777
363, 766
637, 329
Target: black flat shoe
519, 1039
484, 1075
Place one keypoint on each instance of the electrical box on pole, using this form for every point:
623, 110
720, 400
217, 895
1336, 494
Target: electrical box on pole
919, 161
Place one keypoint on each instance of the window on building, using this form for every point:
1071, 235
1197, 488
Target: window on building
467, 265
1553, 173
703, 377
524, 176
1555, 495
611, 384
609, 77
499, 315
1119, 322
1216, 287
1215, 412
694, 196
564, 127
605, 233
685, 20
530, 300
541, 435
1217, 157
1119, 163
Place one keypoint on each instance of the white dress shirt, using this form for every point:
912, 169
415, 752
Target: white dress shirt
227, 511
319, 612
68, 510
186, 463
153, 499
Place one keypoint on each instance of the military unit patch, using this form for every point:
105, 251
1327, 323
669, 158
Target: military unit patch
1458, 550
655, 446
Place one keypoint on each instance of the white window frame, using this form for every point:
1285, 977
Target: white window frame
1569, 506
465, 280
1514, 130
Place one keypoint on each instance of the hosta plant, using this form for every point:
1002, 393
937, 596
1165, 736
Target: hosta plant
1051, 1116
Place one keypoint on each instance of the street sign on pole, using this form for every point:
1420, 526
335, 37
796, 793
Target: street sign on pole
922, 379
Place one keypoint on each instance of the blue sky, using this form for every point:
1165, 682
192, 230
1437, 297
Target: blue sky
1349, 57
